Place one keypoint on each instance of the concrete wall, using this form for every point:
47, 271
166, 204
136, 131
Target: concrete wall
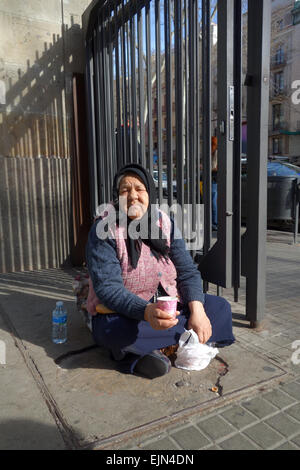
41, 46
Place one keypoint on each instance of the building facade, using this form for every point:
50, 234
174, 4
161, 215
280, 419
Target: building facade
284, 121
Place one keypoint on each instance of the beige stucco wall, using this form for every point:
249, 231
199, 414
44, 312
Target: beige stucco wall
41, 46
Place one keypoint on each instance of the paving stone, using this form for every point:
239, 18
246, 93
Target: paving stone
278, 398
292, 389
161, 444
266, 345
237, 442
296, 440
283, 353
263, 435
294, 411
238, 416
280, 340
260, 407
215, 427
287, 446
190, 438
283, 424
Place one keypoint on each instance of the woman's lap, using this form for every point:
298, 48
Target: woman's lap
121, 334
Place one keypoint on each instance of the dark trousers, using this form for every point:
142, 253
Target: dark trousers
129, 340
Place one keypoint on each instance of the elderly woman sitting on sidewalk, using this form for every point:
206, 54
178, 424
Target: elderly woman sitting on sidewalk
127, 274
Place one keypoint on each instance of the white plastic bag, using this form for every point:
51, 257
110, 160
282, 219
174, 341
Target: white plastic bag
191, 354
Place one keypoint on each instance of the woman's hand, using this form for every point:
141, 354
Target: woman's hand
199, 322
158, 319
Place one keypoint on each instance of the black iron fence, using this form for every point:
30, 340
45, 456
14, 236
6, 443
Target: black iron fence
149, 72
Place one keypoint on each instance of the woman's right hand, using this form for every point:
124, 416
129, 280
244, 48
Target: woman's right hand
158, 319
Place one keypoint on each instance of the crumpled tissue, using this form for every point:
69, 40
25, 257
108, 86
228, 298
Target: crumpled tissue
193, 355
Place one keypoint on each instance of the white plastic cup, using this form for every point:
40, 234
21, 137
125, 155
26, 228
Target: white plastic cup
168, 304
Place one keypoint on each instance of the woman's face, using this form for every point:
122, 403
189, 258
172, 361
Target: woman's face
134, 198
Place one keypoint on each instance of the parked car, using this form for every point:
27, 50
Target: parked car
277, 168
280, 168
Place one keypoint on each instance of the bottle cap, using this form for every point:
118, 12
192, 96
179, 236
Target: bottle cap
59, 304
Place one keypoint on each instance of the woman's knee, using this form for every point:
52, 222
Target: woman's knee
114, 332
217, 304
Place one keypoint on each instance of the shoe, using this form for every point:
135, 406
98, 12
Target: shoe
152, 365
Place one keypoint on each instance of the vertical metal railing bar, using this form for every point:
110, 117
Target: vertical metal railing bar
193, 113
109, 105
168, 88
187, 100
149, 89
106, 105
118, 91
99, 128
132, 81
206, 125
198, 102
141, 88
237, 149
112, 80
158, 97
178, 103
103, 154
128, 126
124, 133
105, 109
91, 126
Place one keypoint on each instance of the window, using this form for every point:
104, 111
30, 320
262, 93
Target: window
277, 146
278, 83
279, 24
296, 13
279, 56
277, 117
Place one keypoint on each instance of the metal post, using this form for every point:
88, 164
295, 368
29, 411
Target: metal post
158, 97
149, 89
168, 88
206, 128
179, 102
237, 149
259, 15
296, 208
216, 265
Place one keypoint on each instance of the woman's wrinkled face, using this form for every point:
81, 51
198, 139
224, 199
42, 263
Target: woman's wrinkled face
134, 198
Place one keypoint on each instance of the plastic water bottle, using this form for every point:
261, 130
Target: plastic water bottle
59, 324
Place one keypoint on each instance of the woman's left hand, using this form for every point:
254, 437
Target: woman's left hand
199, 322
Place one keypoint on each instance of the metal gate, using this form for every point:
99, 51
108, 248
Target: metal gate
151, 69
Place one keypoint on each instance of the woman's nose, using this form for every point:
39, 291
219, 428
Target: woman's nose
133, 194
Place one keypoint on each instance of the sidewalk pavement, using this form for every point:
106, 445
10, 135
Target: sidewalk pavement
71, 397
